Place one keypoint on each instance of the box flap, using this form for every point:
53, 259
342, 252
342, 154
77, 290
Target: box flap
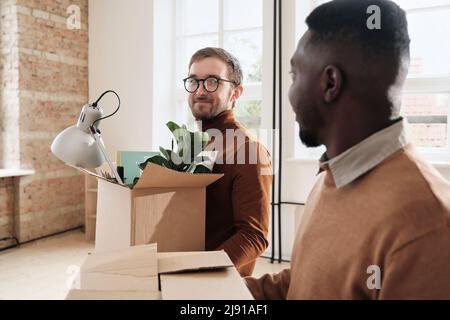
175, 262
133, 261
117, 282
223, 284
92, 173
112, 295
129, 269
155, 176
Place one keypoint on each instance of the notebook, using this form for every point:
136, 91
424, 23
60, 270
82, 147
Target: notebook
130, 160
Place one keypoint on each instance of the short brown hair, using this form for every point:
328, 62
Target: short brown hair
234, 67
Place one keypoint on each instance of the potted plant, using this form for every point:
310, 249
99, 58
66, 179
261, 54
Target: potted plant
189, 156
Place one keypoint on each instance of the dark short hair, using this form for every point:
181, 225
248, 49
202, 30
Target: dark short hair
234, 67
345, 21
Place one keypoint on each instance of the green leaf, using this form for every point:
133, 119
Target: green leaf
165, 153
175, 160
205, 139
186, 158
200, 159
176, 130
201, 169
142, 165
191, 168
198, 141
172, 126
158, 159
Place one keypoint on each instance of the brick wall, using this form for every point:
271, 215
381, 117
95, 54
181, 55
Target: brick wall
6, 210
9, 93
52, 86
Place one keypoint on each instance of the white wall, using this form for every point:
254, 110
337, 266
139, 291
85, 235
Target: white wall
164, 72
121, 55
121, 58
444, 169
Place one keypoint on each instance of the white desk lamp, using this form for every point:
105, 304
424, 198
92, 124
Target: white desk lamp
81, 145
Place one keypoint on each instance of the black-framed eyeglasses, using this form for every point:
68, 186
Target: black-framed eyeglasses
210, 84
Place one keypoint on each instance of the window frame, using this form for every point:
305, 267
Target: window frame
253, 91
413, 85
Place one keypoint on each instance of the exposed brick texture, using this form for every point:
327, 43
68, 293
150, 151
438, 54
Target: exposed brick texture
44, 77
6, 210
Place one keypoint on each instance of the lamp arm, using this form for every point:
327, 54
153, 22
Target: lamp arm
99, 98
99, 141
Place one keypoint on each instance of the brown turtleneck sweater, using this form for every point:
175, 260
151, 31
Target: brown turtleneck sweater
237, 205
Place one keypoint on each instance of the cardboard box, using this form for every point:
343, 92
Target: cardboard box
141, 273
200, 276
112, 295
165, 206
131, 269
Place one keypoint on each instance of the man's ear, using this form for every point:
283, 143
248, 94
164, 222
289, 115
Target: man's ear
237, 92
331, 82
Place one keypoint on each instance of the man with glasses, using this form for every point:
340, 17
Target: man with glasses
237, 205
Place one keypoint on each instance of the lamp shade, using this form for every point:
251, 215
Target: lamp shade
76, 145
77, 148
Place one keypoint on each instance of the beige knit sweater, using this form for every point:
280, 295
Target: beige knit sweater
395, 217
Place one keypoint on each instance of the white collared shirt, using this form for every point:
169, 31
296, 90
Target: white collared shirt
367, 154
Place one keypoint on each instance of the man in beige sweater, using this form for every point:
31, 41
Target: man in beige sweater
376, 224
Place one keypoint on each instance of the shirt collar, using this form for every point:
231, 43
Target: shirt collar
367, 154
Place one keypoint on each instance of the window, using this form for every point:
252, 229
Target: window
426, 99
226, 24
